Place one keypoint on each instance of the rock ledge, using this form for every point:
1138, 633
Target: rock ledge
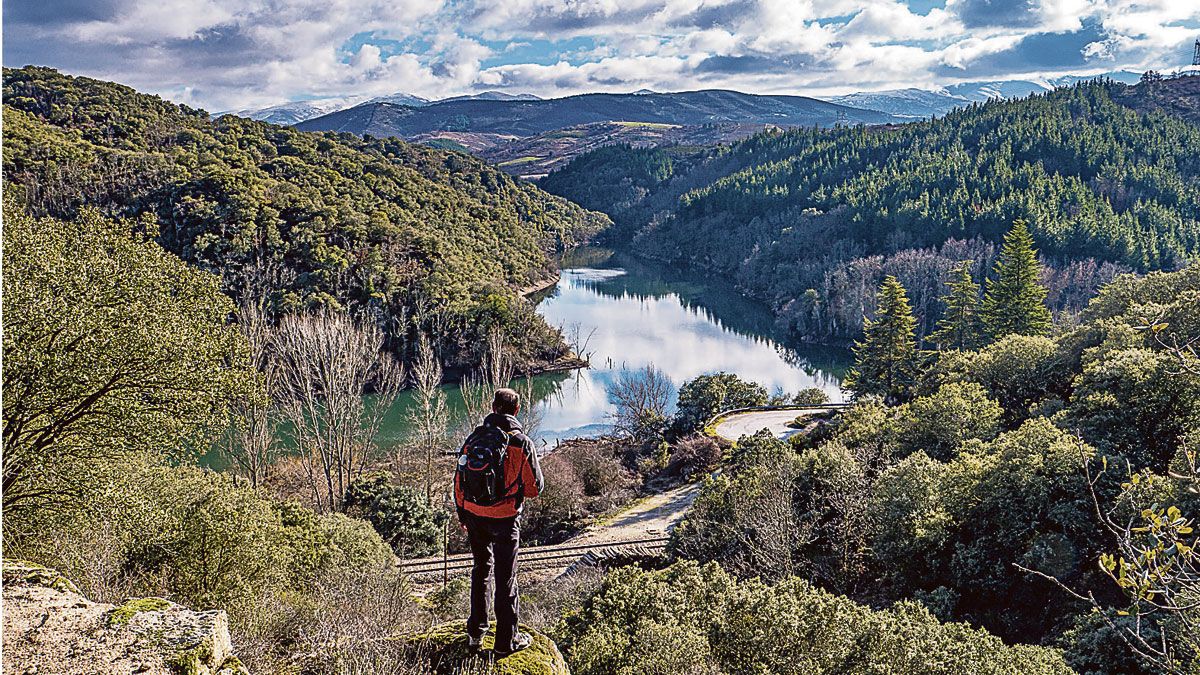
447, 652
49, 627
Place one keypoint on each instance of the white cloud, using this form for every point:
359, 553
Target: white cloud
239, 53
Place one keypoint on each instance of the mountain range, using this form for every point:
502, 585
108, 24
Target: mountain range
906, 103
527, 118
913, 103
528, 136
294, 112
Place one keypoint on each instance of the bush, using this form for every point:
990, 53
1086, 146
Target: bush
940, 423
584, 478
694, 454
693, 619
401, 518
810, 396
1018, 371
557, 511
707, 395
197, 537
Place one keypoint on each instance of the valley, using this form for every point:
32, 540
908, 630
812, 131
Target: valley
240, 360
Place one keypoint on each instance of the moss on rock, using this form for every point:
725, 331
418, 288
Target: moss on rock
23, 571
448, 653
122, 614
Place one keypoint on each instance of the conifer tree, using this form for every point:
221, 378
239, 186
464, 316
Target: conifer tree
885, 360
1015, 302
960, 326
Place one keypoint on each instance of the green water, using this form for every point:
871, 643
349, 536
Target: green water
639, 313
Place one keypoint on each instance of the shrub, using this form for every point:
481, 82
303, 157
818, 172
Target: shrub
704, 396
561, 505
940, 423
198, 537
693, 619
810, 396
400, 517
1018, 371
584, 477
694, 454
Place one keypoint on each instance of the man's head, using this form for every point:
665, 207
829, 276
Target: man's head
506, 402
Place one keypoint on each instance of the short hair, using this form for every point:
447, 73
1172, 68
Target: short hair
506, 402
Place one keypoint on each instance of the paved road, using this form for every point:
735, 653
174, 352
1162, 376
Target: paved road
745, 424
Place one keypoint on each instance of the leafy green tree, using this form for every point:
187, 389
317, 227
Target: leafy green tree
960, 326
402, 518
1015, 301
810, 396
1019, 371
940, 423
706, 395
113, 348
886, 358
1136, 403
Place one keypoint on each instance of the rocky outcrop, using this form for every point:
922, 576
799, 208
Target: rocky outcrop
49, 627
447, 652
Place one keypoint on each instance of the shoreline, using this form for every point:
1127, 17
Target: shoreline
540, 286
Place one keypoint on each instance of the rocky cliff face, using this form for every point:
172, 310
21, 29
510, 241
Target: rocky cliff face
49, 627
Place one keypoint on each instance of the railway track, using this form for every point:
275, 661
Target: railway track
558, 555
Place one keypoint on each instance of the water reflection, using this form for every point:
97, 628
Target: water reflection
637, 314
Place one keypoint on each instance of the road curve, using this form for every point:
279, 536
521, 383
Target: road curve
734, 426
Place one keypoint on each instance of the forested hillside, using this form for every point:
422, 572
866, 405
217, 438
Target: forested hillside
811, 220
528, 118
298, 221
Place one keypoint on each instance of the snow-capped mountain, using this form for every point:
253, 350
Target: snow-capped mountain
908, 103
920, 103
399, 98
492, 96
295, 112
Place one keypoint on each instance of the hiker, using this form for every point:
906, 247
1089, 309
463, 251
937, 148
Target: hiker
497, 471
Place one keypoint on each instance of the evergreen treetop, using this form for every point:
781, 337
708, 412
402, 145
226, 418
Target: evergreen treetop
886, 358
960, 326
1015, 301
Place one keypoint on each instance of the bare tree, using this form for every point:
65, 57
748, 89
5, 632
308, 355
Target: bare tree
641, 398
532, 410
252, 445
428, 417
328, 363
496, 370
577, 341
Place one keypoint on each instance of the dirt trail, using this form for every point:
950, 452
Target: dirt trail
650, 516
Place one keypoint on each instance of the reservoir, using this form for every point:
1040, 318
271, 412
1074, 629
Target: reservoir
630, 313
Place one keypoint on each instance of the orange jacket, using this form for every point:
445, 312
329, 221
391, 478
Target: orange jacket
521, 470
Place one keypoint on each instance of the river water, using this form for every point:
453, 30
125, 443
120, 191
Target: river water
638, 313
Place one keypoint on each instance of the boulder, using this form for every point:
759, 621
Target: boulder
447, 652
49, 627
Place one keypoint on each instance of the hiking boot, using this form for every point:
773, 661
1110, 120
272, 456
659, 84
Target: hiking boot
474, 642
520, 641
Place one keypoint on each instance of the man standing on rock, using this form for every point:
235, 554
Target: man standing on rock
497, 471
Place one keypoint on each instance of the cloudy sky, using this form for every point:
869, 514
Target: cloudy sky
229, 54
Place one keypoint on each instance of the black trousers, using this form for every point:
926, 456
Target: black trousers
494, 545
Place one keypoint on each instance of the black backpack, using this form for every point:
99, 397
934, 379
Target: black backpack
481, 465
